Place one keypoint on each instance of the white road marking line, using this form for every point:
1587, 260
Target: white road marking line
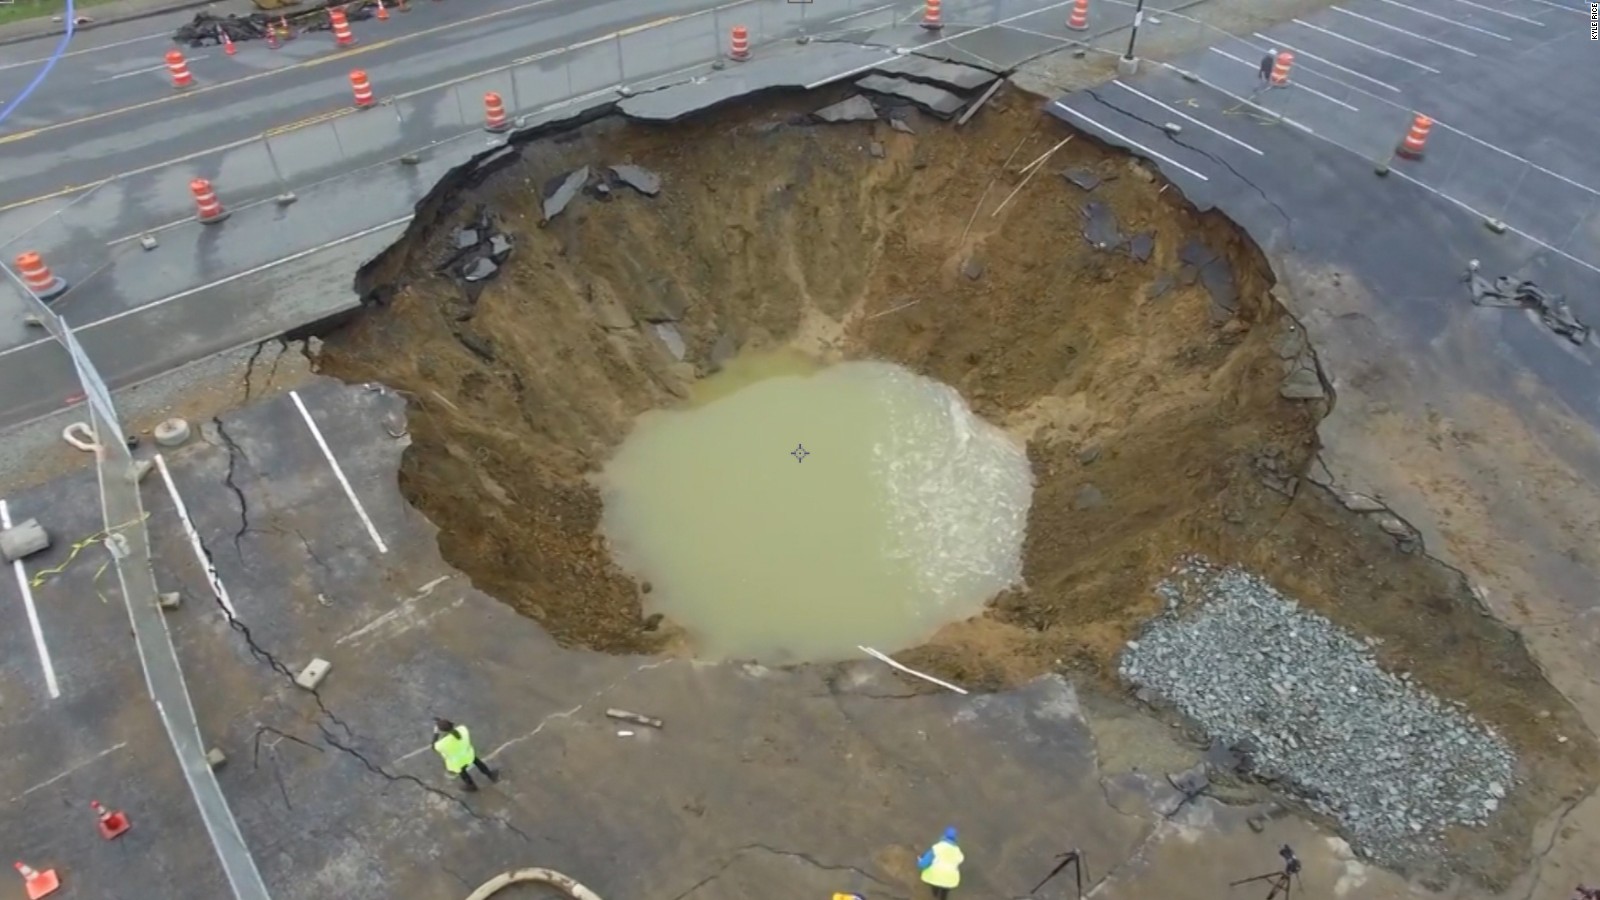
1269, 113
166, 35
1293, 84
1168, 160
195, 544
1277, 42
255, 270
1561, 6
338, 472
33, 615
1422, 12
1500, 12
400, 609
1378, 50
843, 76
1185, 116
1398, 30
70, 769
145, 71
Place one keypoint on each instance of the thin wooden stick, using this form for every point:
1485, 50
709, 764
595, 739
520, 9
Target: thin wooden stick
975, 210
1038, 167
884, 658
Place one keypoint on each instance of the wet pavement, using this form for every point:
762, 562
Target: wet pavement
820, 780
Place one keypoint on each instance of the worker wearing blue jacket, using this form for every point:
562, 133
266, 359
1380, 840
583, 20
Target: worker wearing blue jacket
941, 865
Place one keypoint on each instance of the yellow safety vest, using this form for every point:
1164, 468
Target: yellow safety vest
456, 751
945, 870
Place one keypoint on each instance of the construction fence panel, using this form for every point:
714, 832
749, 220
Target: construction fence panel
544, 82
593, 68
668, 47
1583, 242
1550, 206
62, 245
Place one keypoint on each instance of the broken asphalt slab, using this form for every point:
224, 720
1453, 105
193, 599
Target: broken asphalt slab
939, 72
936, 101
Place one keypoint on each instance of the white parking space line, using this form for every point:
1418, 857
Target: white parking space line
145, 71
1398, 30
195, 544
1272, 114
1131, 143
1446, 19
1278, 42
338, 472
70, 769
1378, 50
1188, 118
1500, 12
1561, 6
33, 615
1293, 84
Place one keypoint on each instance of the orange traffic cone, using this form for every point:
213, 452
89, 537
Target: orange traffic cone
383, 12
227, 43
113, 825
38, 884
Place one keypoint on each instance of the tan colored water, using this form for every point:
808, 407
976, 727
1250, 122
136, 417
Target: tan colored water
907, 511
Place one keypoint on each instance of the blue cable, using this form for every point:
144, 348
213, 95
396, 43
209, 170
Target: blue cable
49, 64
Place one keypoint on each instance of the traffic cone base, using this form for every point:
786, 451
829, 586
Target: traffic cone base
38, 884
112, 825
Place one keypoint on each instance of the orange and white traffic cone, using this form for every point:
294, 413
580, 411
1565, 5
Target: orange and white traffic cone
1078, 20
383, 12
933, 16
739, 44
362, 88
1416, 138
41, 282
494, 113
208, 209
342, 35
227, 43
113, 825
38, 884
1280, 69
178, 68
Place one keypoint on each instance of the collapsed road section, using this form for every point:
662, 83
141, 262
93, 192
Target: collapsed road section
553, 291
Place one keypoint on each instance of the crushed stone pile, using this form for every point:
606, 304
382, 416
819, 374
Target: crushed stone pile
1306, 705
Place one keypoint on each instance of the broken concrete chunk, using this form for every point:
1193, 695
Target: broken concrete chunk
1360, 503
901, 126
467, 238
668, 333
479, 269
1141, 246
640, 179
1394, 527
23, 539
853, 109
313, 673
1083, 178
1100, 226
170, 600
569, 185
499, 247
972, 269
634, 717
876, 149
938, 102
1302, 384
215, 758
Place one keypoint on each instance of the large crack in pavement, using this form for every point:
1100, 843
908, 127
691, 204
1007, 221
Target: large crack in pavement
740, 852
276, 665
1288, 224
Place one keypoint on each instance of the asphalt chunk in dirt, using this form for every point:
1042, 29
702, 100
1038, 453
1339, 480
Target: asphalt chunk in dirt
796, 236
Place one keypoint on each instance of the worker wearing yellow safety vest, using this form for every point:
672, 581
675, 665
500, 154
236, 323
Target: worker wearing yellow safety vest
941, 865
454, 744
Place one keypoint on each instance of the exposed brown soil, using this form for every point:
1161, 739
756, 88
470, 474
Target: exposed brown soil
768, 234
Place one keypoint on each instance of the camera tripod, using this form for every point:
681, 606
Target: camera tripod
1280, 882
1072, 858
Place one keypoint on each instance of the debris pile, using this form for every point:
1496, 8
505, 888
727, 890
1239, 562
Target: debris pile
1306, 704
1512, 294
479, 250
559, 192
206, 28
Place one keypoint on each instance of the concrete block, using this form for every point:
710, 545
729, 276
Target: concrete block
312, 674
216, 758
23, 540
139, 469
170, 600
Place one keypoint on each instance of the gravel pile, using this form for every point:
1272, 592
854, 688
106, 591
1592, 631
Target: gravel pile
1306, 705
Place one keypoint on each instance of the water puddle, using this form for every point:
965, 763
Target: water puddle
792, 512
